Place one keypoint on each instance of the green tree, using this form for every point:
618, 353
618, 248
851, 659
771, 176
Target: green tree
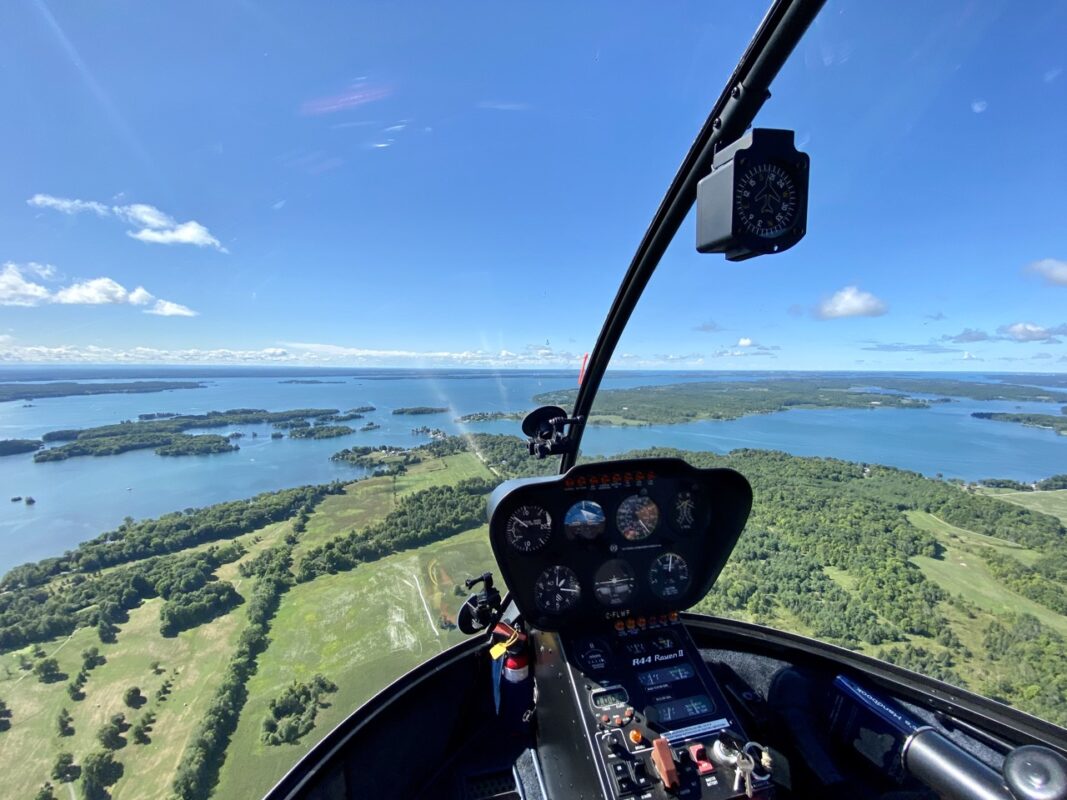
65, 769
133, 697
99, 770
46, 792
63, 723
47, 670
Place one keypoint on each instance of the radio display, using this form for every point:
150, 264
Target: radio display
656, 677
680, 710
610, 697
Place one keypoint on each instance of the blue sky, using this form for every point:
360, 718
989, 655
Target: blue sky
442, 185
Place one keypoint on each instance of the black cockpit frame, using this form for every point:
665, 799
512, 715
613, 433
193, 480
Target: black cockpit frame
737, 106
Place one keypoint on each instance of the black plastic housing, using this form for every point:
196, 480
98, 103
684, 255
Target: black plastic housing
719, 228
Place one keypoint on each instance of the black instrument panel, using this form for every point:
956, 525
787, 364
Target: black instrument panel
615, 539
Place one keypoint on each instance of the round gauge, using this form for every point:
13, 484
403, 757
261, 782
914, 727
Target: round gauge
614, 582
687, 512
584, 520
529, 528
557, 589
637, 517
766, 200
668, 576
594, 655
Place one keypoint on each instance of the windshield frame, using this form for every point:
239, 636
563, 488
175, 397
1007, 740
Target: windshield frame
741, 99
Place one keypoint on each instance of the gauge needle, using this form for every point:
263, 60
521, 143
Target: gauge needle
643, 525
670, 563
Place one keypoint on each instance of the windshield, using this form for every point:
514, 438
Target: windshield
894, 385
276, 284
278, 287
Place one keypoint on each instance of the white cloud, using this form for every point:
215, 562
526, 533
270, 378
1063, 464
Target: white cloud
67, 206
98, 291
978, 106
165, 308
187, 233
45, 272
1052, 270
744, 341
140, 297
851, 302
155, 226
1052, 74
1029, 332
278, 206
969, 356
145, 216
15, 290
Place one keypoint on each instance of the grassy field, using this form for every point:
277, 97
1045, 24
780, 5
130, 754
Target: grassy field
961, 571
1054, 502
361, 629
335, 626
194, 660
949, 534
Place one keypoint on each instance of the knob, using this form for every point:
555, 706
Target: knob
1033, 772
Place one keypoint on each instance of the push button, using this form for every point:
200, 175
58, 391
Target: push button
625, 786
641, 777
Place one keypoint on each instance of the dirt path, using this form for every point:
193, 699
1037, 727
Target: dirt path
429, 616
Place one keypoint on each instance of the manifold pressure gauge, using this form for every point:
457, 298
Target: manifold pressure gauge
755, 201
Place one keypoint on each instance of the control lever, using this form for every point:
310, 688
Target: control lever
481, 609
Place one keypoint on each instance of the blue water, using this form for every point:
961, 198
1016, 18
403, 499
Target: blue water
81, 497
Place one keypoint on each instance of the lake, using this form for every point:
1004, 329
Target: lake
82, 497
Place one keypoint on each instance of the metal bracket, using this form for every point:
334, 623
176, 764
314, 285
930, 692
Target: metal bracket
546, 429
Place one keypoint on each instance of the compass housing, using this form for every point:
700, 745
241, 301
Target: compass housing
755, 200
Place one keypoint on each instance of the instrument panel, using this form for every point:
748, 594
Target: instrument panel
615, 539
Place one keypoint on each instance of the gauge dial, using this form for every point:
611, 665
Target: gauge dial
529, 528
637, 517
668, 576
614, 582
687, 512
557, 589
584, 520
766, 200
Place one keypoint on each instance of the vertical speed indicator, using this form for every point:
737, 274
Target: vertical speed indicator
668, 576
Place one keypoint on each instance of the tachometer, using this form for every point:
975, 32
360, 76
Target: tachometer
529, 528
614, 582
668, 576
557, 589
637, 517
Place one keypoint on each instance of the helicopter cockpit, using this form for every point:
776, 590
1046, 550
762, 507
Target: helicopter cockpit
590, 678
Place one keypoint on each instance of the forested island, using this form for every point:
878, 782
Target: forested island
688, 402
491, 416
1049, 421
321, 432
307, 381
166, 433
11, 447
38, 391
421, 410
